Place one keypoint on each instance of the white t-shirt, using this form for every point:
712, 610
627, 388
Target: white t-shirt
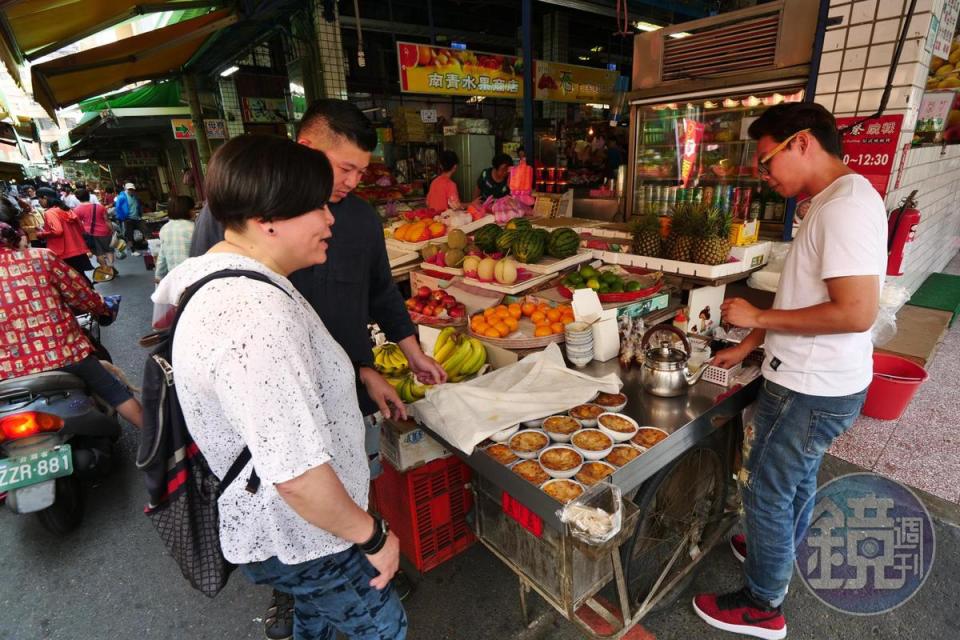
843, 234
256, 367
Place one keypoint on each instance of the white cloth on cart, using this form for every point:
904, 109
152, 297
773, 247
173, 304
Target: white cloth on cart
540, 385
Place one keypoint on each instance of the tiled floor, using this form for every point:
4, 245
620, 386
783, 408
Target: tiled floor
922, 448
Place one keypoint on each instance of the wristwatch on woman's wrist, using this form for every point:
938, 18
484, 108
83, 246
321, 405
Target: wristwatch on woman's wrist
378, 539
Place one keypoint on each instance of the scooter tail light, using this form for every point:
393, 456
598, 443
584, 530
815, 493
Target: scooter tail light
28, 423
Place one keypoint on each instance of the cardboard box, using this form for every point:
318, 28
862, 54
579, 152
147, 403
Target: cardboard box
752, 255
744, 232
405, 445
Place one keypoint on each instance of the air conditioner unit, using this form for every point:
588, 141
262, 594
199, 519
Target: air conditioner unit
764, 43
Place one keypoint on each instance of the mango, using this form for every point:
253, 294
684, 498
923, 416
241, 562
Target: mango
944, 70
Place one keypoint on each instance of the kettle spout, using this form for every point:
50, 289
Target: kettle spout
692, 379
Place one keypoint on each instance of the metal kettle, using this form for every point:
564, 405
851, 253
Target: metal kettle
664, 372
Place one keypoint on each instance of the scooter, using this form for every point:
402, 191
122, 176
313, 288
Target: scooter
54, 433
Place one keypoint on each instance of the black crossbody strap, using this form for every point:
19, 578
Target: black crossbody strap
253, 483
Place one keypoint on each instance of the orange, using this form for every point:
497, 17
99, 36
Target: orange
489, 312
543, 306
515, 310
528, 308
480, 327
538, 317
501, 307
490, 332
503, 313
513, 323
553, 315
541, 331
502, 329
556, 327
565, 320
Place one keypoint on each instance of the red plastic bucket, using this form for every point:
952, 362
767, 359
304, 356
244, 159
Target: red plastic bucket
887, 398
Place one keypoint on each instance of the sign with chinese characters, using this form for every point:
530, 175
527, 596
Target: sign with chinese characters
140, 158
948, 23
183, 129
869, 545
216, 129
457, 72
428, 116
264, 110
869, 148
572, 83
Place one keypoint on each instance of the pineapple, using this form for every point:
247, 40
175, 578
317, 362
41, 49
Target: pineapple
646, 236
714, 245
682, 227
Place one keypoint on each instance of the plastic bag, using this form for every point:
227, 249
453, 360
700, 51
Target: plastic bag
768, 278
892, 299
597, 515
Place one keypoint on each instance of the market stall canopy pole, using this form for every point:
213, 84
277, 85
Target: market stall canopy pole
148, 56
31, 29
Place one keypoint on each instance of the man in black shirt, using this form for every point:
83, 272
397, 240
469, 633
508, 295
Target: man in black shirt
354, 285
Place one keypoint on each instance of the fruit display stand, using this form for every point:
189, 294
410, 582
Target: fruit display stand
511, 289
416, 246
653, 553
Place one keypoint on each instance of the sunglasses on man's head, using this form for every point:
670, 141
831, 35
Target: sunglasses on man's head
763, 164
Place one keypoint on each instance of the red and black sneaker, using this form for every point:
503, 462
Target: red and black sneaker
738, 545
740, 612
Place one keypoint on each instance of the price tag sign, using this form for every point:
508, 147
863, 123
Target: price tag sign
869, 148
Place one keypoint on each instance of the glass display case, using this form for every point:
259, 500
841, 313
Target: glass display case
699, 151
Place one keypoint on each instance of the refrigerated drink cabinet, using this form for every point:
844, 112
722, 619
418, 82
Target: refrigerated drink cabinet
694, 99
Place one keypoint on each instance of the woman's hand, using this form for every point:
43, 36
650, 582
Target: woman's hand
383, 394
386, 561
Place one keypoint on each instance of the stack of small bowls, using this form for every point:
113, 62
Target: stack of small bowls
579, 340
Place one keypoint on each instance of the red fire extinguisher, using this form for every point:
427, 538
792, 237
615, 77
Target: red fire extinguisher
901, 229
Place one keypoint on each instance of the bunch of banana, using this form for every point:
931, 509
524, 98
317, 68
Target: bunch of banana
458, 354
389, 359
408, 388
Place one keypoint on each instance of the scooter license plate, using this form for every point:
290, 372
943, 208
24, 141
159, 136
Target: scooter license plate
36, 467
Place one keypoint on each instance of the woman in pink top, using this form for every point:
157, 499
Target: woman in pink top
63, 232
443, 190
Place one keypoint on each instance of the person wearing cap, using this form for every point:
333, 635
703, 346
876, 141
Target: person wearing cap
128, 210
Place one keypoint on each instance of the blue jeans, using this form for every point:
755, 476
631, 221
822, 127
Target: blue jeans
782, 450
333, 594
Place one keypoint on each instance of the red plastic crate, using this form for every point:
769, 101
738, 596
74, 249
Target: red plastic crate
427, 508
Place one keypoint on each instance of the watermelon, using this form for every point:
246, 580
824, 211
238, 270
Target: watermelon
519, 223
486, 237
528, 246
563, 243
505, 240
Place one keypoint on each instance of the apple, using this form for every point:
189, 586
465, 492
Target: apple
423, 292
418, 307
411, 303
428, 310
459, 310
438, 310
449, 301
437, 295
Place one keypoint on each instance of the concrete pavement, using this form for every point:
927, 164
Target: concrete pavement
111, 578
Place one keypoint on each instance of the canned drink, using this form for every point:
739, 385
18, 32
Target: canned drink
681, 195
671, 198
706, 195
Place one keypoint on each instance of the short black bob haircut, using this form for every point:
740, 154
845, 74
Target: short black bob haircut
268, 178
501, 159
180, 207
448, 160
783, 120
341, 118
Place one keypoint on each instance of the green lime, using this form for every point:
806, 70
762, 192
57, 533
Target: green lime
608, 277
587, 272
574, 278
604, 288
616, 287
593, 283
631, 286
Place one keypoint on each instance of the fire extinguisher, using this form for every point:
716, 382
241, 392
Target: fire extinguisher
901, 229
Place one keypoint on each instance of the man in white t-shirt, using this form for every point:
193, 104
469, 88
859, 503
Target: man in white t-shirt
818, 360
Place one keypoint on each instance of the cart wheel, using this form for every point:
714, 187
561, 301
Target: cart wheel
681, 505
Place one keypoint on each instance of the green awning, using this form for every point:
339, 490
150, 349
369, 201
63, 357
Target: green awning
155, 94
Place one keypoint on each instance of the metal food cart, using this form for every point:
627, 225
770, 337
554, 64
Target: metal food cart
675, 508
